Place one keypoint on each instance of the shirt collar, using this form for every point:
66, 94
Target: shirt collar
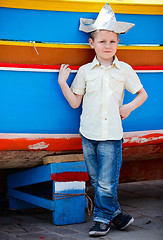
116, 62
95, 62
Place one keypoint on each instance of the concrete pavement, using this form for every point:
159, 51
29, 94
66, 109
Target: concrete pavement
143, 200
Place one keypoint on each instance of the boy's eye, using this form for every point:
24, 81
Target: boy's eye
102, 41
112, 41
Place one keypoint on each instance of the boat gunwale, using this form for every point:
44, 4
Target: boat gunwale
82, 45
46, 142
127, 7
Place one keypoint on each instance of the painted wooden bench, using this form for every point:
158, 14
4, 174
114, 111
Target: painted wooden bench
59, 187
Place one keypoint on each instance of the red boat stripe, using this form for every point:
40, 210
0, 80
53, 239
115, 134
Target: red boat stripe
63, 142
70, 176
57, 67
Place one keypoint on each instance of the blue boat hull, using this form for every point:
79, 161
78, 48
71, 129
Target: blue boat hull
32, 102
53, 26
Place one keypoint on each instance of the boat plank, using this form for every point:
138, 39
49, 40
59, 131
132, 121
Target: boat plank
58, 55
137, 146
63, 158
47, 26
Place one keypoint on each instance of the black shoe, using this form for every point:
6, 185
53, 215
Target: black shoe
122, 221
99, 229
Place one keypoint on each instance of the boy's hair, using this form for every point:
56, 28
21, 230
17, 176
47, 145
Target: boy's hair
93, 34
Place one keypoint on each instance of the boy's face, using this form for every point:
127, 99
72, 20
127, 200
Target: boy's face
105, 45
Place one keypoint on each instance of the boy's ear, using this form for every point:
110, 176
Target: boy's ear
91, 43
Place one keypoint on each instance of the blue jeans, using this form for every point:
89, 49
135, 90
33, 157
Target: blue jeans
103, 160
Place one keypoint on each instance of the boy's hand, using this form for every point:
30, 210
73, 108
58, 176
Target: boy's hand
124, 111
64, 73
73, 99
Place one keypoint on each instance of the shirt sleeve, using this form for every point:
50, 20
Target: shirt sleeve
132, 82
78, 84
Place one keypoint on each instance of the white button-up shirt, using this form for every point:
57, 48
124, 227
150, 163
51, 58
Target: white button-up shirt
103, 92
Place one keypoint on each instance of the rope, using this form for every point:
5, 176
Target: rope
60, 196
33, 42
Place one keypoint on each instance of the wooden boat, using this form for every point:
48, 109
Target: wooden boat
36, 120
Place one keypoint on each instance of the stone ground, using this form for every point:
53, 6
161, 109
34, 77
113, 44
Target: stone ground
143, 200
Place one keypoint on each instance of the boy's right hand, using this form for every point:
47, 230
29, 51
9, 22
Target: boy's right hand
73, 99
64, 73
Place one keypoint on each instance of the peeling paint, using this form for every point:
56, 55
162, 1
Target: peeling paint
64, 142
40, 145
142, 139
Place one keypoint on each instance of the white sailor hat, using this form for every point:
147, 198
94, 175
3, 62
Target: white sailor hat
105, 21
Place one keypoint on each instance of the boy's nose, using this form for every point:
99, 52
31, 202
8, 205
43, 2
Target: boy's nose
107, 45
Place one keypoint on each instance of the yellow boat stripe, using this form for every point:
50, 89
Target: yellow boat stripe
47, 45
124, 6
79, 46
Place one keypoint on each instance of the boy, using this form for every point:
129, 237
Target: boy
101, 85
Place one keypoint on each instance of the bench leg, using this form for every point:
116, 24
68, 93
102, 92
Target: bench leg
19, 204
71, 209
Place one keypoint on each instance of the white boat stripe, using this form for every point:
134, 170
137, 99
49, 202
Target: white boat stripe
31, 69
56, 70
44, 136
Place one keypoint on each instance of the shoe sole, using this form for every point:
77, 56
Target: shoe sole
131, 221
98, 234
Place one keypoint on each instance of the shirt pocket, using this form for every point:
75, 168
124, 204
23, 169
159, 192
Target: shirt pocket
117, 82
91, 83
